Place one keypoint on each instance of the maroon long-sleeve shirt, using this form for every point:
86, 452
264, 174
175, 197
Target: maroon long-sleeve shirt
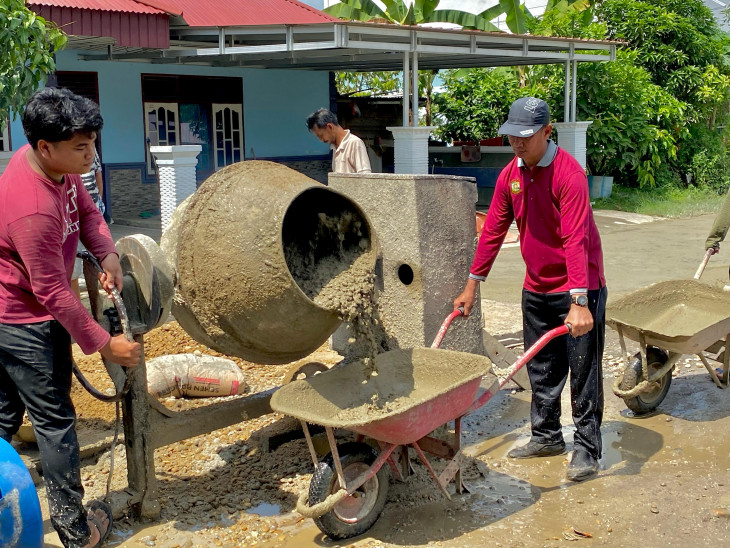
558, 237
40, 225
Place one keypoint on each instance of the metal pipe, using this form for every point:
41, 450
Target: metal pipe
566, 114
414, 91
573, 99
406, 86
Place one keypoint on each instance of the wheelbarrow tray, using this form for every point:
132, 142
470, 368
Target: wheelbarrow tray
414, 392
684, 316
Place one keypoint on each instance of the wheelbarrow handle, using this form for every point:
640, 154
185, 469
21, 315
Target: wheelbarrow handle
520, 363
709, 253
445, 326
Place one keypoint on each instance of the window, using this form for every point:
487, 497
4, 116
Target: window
162, 128
187, 110
228, 135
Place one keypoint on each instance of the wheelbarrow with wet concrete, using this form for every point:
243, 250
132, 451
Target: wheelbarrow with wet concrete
669, 320
396, 404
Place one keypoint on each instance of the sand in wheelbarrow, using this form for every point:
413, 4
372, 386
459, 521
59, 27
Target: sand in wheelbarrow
676, 308
349, 395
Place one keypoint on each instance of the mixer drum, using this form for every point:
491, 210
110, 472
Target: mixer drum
252, 247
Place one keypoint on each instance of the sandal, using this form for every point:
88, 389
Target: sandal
96, 522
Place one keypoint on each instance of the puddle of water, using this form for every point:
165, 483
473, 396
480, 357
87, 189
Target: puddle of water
265, 509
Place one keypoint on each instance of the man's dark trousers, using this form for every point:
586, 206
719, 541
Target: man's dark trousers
35, 374
549, 370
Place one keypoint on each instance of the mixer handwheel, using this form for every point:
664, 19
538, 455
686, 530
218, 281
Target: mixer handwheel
143, 260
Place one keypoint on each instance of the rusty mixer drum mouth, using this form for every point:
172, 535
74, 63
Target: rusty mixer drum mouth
252, 248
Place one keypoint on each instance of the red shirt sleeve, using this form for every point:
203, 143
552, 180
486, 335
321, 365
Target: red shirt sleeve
499, 218
44, 263
574, 223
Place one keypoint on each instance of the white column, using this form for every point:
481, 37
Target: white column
572, 137
176, 173
5, 159
411, 148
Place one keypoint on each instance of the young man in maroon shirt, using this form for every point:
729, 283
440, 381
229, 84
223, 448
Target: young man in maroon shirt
545, 190
44, 210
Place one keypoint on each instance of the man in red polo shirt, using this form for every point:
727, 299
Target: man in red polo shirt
545, 190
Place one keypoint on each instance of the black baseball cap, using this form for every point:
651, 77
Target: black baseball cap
526, 116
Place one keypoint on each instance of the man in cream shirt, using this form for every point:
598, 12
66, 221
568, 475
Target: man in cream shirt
350, 154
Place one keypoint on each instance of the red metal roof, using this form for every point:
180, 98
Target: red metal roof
121, 6
206, 13
232, 13
145, 23
128, 22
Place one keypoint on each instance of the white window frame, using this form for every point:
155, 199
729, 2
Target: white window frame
5, 138
154, 140
233, 110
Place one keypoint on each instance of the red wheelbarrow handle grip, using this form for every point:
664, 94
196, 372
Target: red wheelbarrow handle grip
445, 326
520, 363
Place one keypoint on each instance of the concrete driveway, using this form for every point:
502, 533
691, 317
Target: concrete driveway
638, 250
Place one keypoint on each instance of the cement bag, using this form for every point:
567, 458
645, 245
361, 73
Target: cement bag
195, 376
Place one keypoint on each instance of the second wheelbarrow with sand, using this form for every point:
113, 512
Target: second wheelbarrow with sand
668, 320
396, 404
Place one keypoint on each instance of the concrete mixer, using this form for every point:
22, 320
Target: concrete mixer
245, 259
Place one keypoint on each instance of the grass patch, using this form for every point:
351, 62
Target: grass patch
665, 201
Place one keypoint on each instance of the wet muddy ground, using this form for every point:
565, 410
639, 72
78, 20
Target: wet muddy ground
664, 479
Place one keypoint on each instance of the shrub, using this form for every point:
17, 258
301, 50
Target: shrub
711, 171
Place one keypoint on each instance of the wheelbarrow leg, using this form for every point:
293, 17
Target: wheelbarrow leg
431, 470
460, 487
310, 443
398, 461
336, 456
711, 370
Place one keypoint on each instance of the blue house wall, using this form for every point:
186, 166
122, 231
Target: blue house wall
275, 106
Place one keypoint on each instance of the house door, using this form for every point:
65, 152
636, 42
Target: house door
161, 126
5, 138
227, 121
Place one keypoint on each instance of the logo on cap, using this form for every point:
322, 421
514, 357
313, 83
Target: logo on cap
527, 132
531, 104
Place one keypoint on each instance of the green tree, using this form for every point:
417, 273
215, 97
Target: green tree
681, 46
399, 13
520, 20
27, 43
417, 13
475, 103
675, 40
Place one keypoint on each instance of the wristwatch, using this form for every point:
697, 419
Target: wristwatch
580, 300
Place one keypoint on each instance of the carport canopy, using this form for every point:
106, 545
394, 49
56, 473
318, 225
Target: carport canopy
364, 47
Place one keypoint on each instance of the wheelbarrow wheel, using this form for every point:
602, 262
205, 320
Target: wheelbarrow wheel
646, 402
357, 513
